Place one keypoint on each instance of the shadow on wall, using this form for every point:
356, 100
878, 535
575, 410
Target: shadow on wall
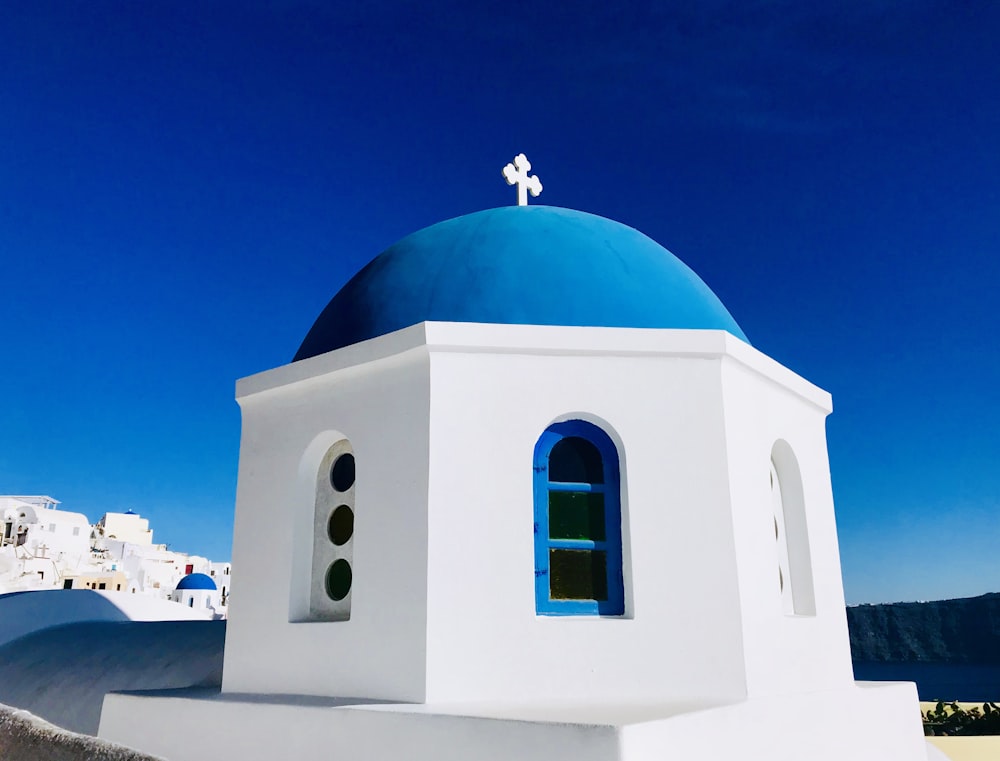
63, 673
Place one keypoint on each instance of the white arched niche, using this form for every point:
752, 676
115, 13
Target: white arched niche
791, 532
322, 573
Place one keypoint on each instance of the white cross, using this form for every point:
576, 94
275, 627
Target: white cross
517, 173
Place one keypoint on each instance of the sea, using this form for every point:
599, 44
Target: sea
938, 681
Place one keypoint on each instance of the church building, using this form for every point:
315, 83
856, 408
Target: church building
544, 500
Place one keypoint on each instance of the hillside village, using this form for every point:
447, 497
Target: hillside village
43, 547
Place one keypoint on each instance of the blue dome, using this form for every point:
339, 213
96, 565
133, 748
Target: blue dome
523, 265
196, 581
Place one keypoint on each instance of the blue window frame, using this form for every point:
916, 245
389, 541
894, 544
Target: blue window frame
578, 522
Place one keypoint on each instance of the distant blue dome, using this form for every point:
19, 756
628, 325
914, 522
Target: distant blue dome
521, 265
197, 581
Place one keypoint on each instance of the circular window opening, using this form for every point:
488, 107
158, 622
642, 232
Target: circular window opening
342, 472
338, 580
341, 525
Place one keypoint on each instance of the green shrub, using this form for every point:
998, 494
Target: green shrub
951, 719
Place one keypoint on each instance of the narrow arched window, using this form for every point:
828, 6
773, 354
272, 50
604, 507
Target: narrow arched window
781, 538
578, 535
333, 535
791, 533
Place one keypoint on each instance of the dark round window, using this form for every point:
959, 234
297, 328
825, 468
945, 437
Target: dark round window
338, 580
341, 525
342, 472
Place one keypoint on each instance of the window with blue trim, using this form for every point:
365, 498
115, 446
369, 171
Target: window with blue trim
578, 522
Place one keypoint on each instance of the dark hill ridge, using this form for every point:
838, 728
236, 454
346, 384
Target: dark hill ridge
966, 630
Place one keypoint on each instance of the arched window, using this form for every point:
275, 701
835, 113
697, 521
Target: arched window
333, 534
781, 537
791, 533
578, 523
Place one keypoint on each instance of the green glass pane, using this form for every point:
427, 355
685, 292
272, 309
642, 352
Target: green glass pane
340, 528
338, 580
576, 515
578, 575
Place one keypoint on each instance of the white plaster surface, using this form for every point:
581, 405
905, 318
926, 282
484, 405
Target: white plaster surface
22, 613
201, 603
485, 641
443, 655
52, 535
858, 723
126, 527
443, 419
382, 409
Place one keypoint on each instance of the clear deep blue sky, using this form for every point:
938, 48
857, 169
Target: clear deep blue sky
183, 187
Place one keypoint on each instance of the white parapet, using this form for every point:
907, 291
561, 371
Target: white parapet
858, 723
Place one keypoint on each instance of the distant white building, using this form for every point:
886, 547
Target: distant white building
221, 573
154, 569
125, 527
544, 501
198, 591
40, 542
42, 547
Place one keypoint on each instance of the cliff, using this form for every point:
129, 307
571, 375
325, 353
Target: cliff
944, 631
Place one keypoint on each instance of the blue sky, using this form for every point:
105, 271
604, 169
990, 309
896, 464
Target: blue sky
183, 187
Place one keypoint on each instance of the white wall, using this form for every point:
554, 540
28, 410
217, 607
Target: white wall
200, 600
695, 415
382, 408
154, 571
879, 722
126, 527
221, 573
680, 637
61, 532
443, 421
760, 412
